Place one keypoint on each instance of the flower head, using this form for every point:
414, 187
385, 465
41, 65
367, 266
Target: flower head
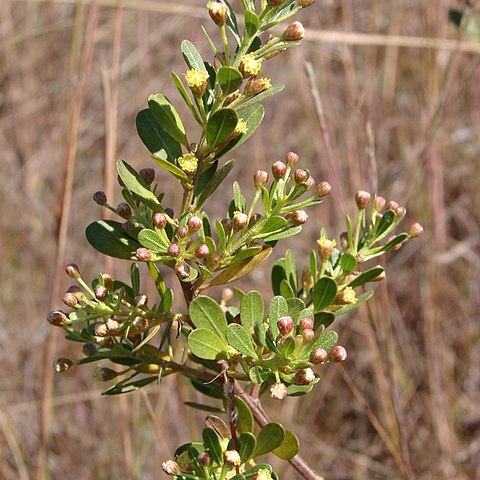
188, 163
218, 13
249, 65
197, 81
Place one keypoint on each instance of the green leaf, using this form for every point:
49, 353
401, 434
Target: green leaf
206, 313
278, 308
151, 240
213, 390
270, 437
352, 306
324, 293
259, 374
291, 269
130, 386
170, 167
229, 79
260, 333
238, 199
398, 240
247, 442
158, 279
273, 224
241, 340
245, 420
348, 262
290, 232
136, 184
297, 390
204, 408
327, 341
205, 344
192, 56
252, 22
296, 309
278, 274
155, 138
185, 447
286, 291
366, 277
220, 126
165, 114
109, 238
323, 318
220, 233
251, 309
289, 447
215, 182
273, 90
387, 220
230, 274
212, 443
288, 347
244, 254
135, 278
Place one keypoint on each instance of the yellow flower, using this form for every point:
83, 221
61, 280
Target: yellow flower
263, 474
325, 248
197, 81
249, 65
188, 163
347, 296
240, 128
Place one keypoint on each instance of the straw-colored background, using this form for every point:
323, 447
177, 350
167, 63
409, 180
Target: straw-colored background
401, 115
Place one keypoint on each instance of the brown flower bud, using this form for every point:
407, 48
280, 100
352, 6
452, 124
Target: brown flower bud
400, 212
148, 175
218, 13
141, 300
361, 199
104, 374
123, 209
293, 32
75, 290
278, 170
143, 254
278, 391
310, 183
230, 98
159, 220
89, 349
182, 232
318, 355
107, 280
182, 270
285, 325
338, 354
415, 230
308, 335
299, 217
306, 324
254, 219
392, 205
291, 159
344, 240
325, 248
256, 85
204, 459
300, 175
323, 189
70, 300
100, 198
306, 3
169, 212
57, 318
304, 376
232, 458
112, 325
239, 221
171, 468
127, 226
105, 342
379, 203
173, 250
260, 178
72, 270
140, 323
202, 251
62, 364
194, 224
101, 292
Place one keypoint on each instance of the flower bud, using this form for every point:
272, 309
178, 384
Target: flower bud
415, 230
392, 205
285, 325
310, 183
70, 300
293, 32
105, 342
62, 364
57, 318
307, 279
182, 270
169, 212
227, 294
304, 376
239, 221
260, 178
249, 65
318, 355
173, 250
112, 325
148, 175
278, 391
140, 323
379, 203
323, 189
344, 240
308, 335
75, 290
127, 226
346, 296
300, 175
278, 170
230, 98
101, 292
89, 349
202, 251
232, 458
291, 159
204, 459
254, 219
194, 224
338, 354
306, 324
400, 212
171, 468
72, 270
159, 220
143, 254
197, 81
299, 217
256, 85
361, 199
104, 374
141, 300
306, 3
325, 248
182, 232
123, 209
100, 198
218, 13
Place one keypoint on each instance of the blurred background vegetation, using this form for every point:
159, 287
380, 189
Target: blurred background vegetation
390, 104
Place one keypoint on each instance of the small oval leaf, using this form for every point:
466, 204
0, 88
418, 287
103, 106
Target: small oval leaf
205, 344
220, 126
241, 340
206, 313
289, 447
251, 310
324, 293
270, 437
